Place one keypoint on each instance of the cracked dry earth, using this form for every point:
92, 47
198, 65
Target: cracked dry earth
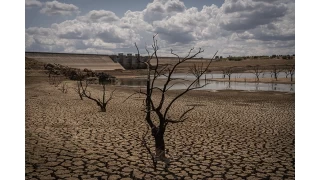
230, 135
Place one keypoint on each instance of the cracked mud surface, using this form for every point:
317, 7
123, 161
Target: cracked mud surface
230, 135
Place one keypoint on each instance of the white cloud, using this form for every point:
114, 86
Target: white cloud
190, 25
160, 9
87, 51
38, 31
72, 29
238, 27
134, 20
98, 43
83, 33
99, 16
58, 8
113, 33
32, 3
28, 40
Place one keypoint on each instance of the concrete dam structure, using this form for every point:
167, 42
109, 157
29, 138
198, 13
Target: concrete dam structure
80, 61
129, 61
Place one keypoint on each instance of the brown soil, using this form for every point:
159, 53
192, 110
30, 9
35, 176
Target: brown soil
230, 135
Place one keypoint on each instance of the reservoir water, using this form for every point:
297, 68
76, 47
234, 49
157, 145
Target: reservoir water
217, 85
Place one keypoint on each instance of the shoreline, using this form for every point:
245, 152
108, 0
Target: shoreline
253, 80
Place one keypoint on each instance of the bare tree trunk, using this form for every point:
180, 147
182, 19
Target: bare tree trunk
159, 144
102, 104
162, 108
103, 108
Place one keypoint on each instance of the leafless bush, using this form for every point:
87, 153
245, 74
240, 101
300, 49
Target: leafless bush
197, 72
78, 89
101, 103
257, 70
55, 80
64, 87
275, 71
227, 72
289, 70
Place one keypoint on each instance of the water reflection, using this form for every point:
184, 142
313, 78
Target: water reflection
218, 75
216, 85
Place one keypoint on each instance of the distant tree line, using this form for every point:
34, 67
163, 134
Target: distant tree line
76, 74
239, 58
282, 56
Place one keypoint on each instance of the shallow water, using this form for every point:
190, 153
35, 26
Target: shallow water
218, 75
216, 85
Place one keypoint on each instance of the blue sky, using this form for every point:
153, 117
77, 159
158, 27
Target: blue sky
232, 27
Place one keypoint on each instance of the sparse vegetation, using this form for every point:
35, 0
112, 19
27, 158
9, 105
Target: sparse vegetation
275, 71
257, 70
64, 87
101, 103
289, 70
227, 72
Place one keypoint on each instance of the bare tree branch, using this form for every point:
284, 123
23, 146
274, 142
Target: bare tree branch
158, 130
102, 104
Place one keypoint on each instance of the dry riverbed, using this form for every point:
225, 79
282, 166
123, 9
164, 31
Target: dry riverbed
230, 135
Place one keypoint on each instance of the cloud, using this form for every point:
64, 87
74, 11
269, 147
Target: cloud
238, 27
83, 32
174, 6
38, 31
57, 8
232, 6
115, 34
32, 3
134, 20
29, 41
244, 15
189, 25
87, 51
266, 1
99, 16
98, 43
160, 9
72, 29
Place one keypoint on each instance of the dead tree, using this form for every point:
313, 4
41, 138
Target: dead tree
197, 71
275, 71
101, 103
290, 71
162, 106
257, 70
227, 72
78, 89
55, 80
64, 87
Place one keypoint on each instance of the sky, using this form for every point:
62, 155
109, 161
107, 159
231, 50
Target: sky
231, 27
